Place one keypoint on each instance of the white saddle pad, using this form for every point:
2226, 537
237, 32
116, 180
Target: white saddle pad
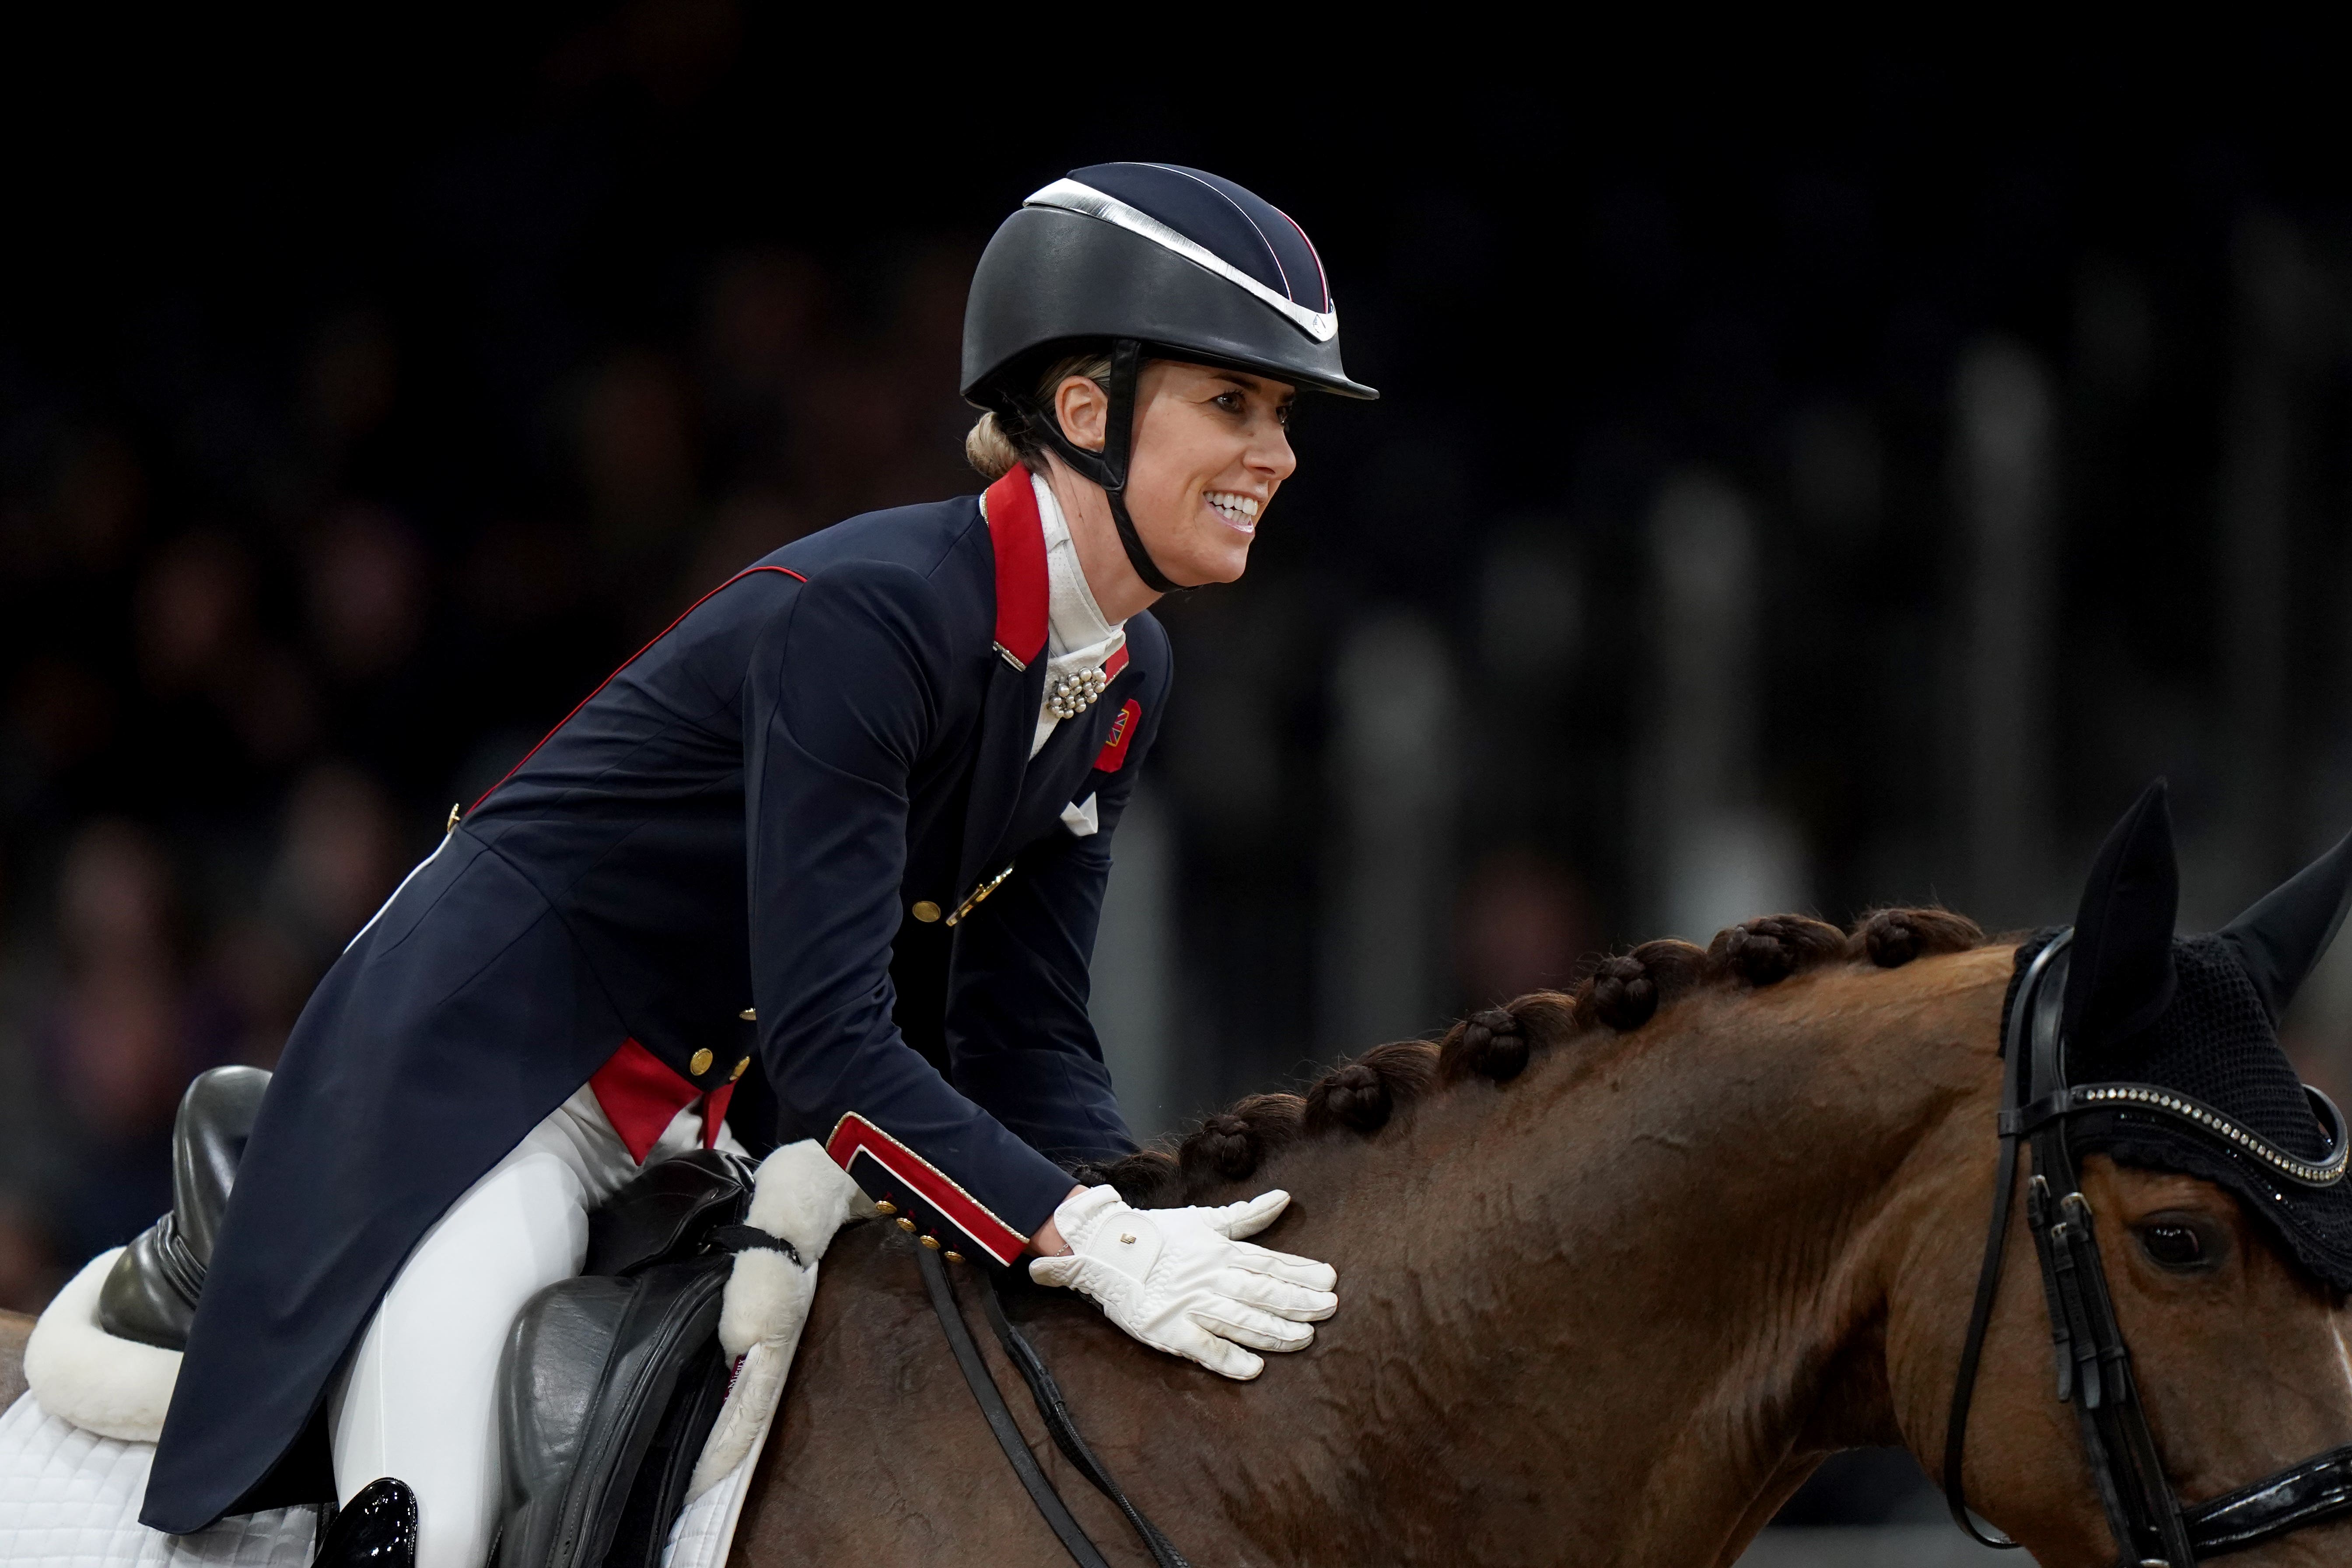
70, 1499
706, 1526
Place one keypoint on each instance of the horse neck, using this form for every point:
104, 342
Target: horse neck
1631, 1299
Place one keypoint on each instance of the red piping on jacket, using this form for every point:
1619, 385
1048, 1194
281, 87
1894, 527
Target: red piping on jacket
1018, 536
853, 1135
633, 658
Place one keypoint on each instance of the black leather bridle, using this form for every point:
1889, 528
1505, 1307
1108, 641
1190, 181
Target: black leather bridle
2095, 1366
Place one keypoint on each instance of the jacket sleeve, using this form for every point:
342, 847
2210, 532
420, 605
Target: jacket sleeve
1018, 1036
842, 699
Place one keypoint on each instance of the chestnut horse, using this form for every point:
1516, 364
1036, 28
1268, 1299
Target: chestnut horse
1617, 1270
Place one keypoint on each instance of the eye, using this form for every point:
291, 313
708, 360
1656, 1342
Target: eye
1232, 402
2180, 1243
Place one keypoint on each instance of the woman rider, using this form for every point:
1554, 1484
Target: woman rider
850, 816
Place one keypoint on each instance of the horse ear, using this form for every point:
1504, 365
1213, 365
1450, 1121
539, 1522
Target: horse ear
2284, 934
2119, 976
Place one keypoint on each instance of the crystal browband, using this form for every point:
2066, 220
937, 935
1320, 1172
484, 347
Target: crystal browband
2196, 1114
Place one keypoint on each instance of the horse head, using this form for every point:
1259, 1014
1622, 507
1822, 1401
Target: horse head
2193, 1294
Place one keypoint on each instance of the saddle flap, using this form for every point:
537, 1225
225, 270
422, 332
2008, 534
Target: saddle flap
668, 1468
548, 1377
607, 1397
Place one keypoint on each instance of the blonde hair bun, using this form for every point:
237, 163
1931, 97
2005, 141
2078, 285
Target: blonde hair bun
988, 449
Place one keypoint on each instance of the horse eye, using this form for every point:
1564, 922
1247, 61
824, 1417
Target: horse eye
2173, 1245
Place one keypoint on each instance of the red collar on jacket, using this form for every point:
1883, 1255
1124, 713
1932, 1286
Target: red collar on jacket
1018, 535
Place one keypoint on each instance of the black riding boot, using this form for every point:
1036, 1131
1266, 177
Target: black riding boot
376, 1529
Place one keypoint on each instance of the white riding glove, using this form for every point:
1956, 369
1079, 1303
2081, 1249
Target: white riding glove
1184, 1282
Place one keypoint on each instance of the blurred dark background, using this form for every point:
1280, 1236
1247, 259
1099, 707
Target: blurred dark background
1802, 481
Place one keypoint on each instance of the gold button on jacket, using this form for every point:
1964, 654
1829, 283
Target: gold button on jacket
926, 910
699, 1063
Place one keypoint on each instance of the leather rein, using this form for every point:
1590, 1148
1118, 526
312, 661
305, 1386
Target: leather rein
2094, 1365
1051, 1407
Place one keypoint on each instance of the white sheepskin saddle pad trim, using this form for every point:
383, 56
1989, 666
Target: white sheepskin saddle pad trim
80, 1374
802, 1197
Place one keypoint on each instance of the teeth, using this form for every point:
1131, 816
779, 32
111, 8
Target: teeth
1233, 508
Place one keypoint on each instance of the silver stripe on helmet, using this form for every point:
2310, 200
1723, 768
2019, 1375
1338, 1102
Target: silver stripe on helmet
1071, 197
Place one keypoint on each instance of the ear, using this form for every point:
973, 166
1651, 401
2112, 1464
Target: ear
2284, 934
2119, 976
1084, 409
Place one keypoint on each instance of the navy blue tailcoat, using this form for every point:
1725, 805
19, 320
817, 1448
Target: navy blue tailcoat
768, 810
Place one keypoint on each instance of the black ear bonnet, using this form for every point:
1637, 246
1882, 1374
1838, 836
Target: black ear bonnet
2197, 1016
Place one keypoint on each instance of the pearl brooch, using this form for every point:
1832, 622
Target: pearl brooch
1072, 695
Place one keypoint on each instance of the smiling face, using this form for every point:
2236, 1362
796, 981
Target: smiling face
1211, 449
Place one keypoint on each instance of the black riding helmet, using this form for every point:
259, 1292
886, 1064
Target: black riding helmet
1157, 261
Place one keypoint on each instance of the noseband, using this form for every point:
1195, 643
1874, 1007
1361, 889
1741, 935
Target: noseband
2094, 1366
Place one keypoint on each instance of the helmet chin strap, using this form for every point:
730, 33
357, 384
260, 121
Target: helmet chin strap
1108, 466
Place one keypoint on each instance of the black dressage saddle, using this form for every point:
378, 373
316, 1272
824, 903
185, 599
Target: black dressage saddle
609, 1383
612, 1381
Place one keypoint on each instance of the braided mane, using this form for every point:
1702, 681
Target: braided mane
1620, 993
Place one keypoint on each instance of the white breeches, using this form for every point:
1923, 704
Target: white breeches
418, 1398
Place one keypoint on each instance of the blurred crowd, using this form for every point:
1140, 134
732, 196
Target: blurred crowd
235, 715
